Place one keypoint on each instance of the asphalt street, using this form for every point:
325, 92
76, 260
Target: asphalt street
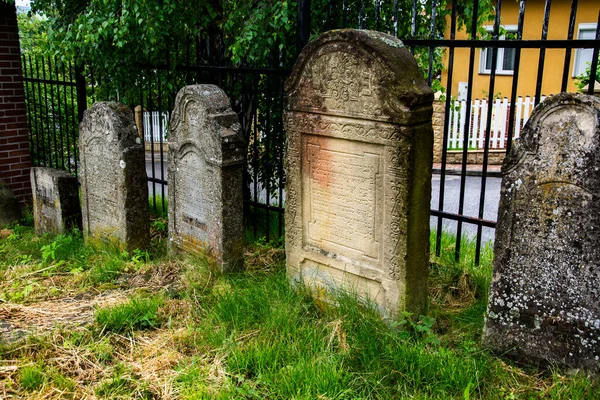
451, 198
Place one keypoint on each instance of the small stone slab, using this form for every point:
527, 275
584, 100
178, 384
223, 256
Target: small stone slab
358, 163
56, 206
544, 305
206, 156
114, 187
10, 210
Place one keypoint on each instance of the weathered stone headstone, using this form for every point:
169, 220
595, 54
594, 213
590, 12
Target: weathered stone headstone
56, 206
114, 188
206, 155
544, 305
358, 163
10, 210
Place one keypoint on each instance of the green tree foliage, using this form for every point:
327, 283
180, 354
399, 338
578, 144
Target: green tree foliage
116, 37
583, 80
32, 34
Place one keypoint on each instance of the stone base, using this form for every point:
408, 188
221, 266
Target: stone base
495, 157
156, 147
10, 210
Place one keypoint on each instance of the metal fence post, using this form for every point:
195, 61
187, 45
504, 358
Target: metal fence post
80, 87
303, 27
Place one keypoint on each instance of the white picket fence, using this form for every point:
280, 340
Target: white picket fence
155, 128
478, 121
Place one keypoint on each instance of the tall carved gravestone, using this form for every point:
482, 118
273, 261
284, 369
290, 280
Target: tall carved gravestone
358, 163
114, 187
56, 206
206, 156
545, 297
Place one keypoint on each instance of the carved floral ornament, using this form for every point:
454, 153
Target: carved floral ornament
344, 128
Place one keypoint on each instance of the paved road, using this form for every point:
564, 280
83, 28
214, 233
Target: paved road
471, 204
451, 198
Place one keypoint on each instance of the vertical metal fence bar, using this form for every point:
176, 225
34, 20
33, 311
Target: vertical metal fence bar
60, 122
255, 153
438, 239
361, 14
396, 18
563, 87
281, 152
515, 81
268, 158
432, 35
463, 171
46, 105
377, 14
160, 144
52, 104
75, 119
413, 25
303, 27
152, 162
486, 147
28, 108
81, 92
542, 57
328, 24
39, 119
594, 65
67, 130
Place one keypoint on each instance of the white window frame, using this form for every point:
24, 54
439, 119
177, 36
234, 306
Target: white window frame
578, 63
483, 54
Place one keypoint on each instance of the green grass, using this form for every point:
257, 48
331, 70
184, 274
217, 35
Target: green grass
159, 206
139, 313
251, 335
257, 226
31, 377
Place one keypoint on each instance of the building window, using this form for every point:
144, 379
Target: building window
506, 57
584, 56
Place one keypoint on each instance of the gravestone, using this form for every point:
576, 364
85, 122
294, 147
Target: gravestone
544, 305
114, 187
56, 206
358, 164
206, 156
10, 210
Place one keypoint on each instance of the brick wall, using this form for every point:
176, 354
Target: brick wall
15, 159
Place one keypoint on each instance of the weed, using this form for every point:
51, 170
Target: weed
138, 313
31, 377
159, 206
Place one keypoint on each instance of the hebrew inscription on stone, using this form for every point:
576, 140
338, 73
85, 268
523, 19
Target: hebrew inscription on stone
342, 192
205, 176
544, 305
358, 164
114, 187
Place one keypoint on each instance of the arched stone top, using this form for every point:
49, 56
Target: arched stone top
560, 142
202, 119
111, 122
360, 74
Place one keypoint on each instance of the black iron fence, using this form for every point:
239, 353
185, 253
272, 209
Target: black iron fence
54, 108
432, 30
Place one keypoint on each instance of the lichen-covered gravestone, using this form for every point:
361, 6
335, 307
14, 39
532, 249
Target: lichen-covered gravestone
114, 188
206, 156
544, 305
56, 206
10, 210
358, 163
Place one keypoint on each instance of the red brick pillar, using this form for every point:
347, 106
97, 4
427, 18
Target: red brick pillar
15, 159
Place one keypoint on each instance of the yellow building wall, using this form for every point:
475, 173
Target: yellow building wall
587, 12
